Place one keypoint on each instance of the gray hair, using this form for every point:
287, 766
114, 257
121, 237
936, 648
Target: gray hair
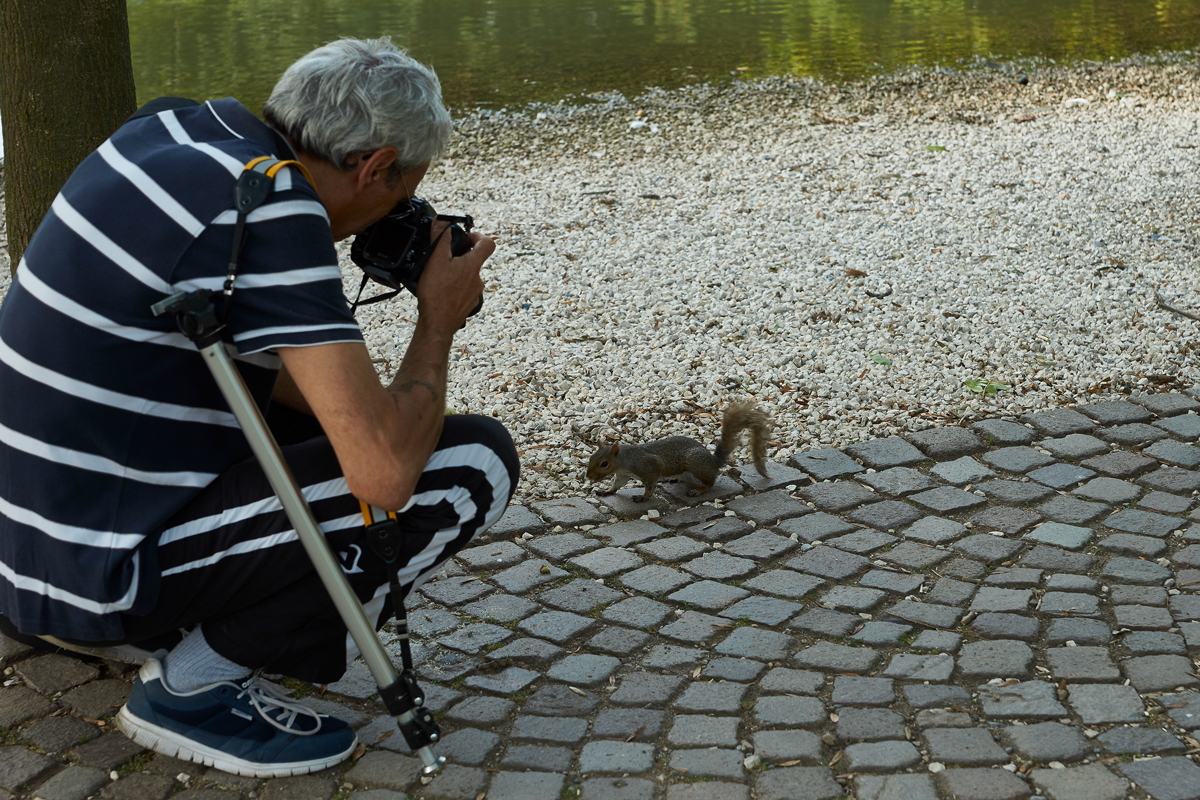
358, 95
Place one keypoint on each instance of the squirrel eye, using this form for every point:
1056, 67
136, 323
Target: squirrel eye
604, 463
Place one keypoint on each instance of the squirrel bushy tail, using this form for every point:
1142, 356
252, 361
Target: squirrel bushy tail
738, 417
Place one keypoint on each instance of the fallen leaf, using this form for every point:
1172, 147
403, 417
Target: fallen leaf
679, 769
579, 692
359, 751
790, 763
384, 736
855, 273
696, 672
1008, 682
836, 757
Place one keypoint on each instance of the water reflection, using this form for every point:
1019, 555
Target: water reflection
507, 52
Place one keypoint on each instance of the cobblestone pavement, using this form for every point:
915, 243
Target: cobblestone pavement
1001, 611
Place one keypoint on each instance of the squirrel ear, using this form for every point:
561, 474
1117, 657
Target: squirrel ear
615, 448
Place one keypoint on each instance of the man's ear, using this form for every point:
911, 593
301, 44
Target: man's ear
374, 167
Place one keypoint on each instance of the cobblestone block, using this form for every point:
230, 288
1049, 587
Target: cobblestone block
703, 730
896, 582
943, 444
1058, 534
849, 690
816, 527
59, 734
775, 747
108, 752
618, 641
681, 491
1006, 626
1165, 503
672, 658
1185, 427
580, 596
1169, 404
1129, 544
1000, 658
1072, 510
1000, 432
1132, 570
1171, 778
1113, 491
826, 464
618, 789
1081, 664
742, 670
916, 667
747, 642
798, 783
517, 520
782, 680
837, 658
1080, 631
144, 786
914, 556
556, 626
646, 689
837, 496
616, 757
1061, 476
1185, 606
986, 548
556, 700
525, 786
930, 615
962, 568
694, 627
712, 698
768, 507
498, 608
1115, 412
829, 563
474, 638
1135, 434
1019, 459
1031, 700
473, 746
496, 555
1127, 740
869, 725
862, 541
719, 567
713, 595
1059, 422
73, 783
1132, 520
19, 704
514, 580
1175, 453
887, 514
934, 530
881, 756
714, 763
486, 711
1005, 519
881, 634
1015, 492
637, 612
764, 610
624, 534
825, 622
673, 549
886, 453
951, 592
538, 757
761, 546
505, 682
569, 512
897, 481
852, 598
1153, 643
1014, 578
1098, 704
1183, 708
1076, 604
1120, 464
939, 641
947, 499
935, 695
1074, 446
20, 766
778, 475
608, 561
1188, 556
51, 674
999, 600
1159, 673
1072, 583
981, 784
961, 471
968, 747
894, 787
789, 712
584, 669
655, 579
1088, 782
1172, 479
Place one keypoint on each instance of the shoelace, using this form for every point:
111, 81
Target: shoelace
266, 698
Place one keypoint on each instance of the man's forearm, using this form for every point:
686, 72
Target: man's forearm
419, 386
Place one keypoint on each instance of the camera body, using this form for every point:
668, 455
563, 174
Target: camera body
393, 252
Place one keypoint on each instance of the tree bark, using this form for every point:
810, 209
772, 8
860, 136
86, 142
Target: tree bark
66, 83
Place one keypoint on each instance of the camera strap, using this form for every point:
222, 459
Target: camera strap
384, 538
252, 188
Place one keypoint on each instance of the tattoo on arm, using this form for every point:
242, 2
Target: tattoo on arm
408, 386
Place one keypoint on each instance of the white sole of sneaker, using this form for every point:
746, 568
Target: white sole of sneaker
169, 743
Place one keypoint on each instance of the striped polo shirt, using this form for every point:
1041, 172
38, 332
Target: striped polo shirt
109, 420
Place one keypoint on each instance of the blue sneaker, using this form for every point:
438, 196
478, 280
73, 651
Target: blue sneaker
247, 729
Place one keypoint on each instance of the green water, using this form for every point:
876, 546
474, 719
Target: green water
497, 53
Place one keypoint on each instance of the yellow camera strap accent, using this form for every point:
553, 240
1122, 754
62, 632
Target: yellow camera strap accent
270, 166
372, 514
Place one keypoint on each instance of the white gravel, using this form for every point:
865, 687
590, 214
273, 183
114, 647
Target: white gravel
649, 273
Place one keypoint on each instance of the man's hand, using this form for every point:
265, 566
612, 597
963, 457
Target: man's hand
450, 286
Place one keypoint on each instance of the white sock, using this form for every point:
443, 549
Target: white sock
193, 664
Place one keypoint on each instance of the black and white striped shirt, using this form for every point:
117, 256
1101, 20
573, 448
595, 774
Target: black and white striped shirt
109, 420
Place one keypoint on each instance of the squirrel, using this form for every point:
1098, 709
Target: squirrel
676, 455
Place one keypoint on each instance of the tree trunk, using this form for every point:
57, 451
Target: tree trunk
66, 83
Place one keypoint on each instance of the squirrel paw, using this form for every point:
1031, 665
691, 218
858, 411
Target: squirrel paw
605, 492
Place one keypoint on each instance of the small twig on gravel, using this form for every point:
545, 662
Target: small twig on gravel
1179, 311
918, 622
879, 295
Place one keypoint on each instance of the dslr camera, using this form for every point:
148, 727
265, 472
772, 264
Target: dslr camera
393, 252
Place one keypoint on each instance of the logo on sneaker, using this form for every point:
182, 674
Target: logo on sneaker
349, 566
